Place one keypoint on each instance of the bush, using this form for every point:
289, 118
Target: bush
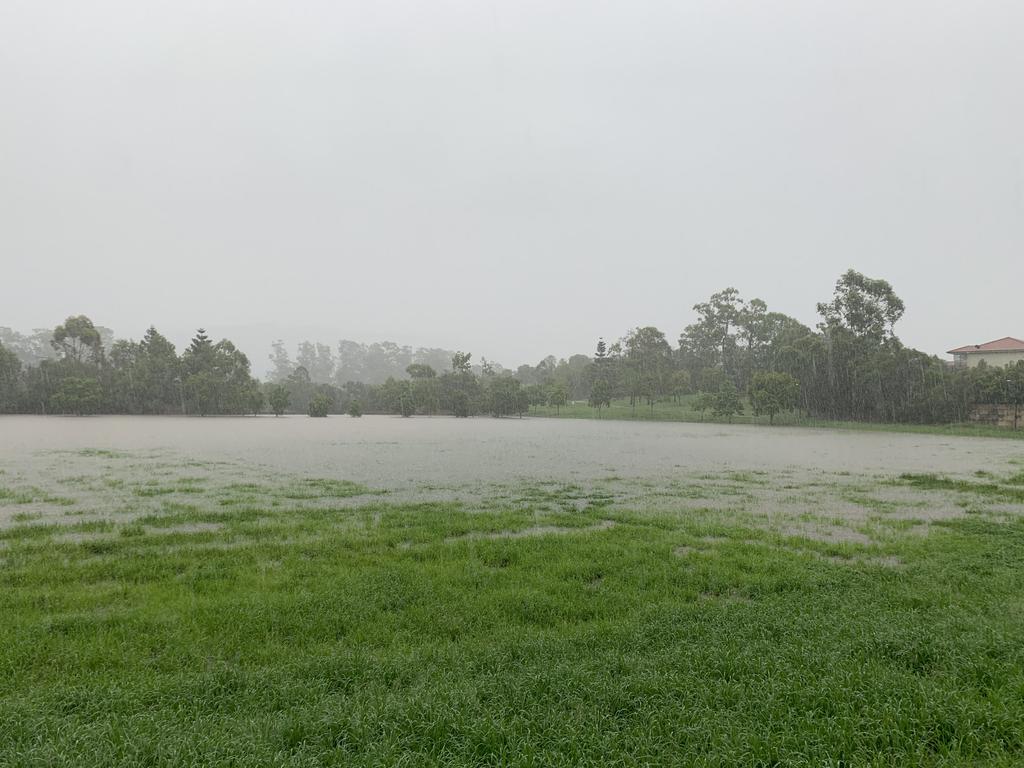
460, 405
278, 399
78, 396
319, 406
355, 410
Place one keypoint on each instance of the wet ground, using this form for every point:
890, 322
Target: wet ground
820, 485
202, 588
396, 453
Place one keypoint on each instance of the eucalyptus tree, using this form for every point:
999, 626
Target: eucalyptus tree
77, 340
726, 402
278, 398
31, 349
680, 384
573, 374
281, 364
600, 396
648, 364
772, 393
865, 307
424, 387
396, 396
10, 373
860, 344
460, 391
711, 341
557, 396
317, 359
77, 395
319, 405
300, 389
503, 396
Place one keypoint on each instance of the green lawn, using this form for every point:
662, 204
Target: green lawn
684, 409
310, 623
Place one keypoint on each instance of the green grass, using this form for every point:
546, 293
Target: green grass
28, 495
1009, 490
684, 411
439, 633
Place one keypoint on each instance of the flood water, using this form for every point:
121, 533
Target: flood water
386, 451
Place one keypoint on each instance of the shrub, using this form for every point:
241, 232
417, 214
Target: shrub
319, 405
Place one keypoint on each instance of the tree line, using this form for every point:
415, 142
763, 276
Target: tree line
132, 377
736, 354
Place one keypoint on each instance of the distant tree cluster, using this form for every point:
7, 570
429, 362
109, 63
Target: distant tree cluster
735, 354
457, 391
351, 361
85, 375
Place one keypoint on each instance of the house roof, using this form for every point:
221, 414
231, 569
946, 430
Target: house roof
1005, 344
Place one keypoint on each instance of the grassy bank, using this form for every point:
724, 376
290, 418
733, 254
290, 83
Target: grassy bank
299, 622
684, 410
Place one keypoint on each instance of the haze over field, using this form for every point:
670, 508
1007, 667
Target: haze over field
507, 178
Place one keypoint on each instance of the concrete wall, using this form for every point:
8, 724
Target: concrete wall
993, 358
996, 415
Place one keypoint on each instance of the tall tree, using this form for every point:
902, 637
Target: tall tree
649, 364
318, 360
867, 308
424, 387
77, 340
600, 396
558, 395
461, 362
711, 340
772, 393
727, 403
77, 395
216, 377
10, 370
158, 376
281, 364
277, 397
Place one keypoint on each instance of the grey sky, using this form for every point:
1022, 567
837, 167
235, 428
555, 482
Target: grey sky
511, 178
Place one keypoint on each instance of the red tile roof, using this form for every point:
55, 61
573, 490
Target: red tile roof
1005, 344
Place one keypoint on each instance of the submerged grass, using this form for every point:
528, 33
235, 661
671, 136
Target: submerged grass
547, 628
1009, 490
29, 495
684, 410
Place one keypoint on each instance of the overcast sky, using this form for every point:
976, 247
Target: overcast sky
510, 178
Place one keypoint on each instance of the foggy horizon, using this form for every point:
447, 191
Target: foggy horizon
256, 339
514, 181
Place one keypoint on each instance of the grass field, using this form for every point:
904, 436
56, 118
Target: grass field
165, 612
684, 409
